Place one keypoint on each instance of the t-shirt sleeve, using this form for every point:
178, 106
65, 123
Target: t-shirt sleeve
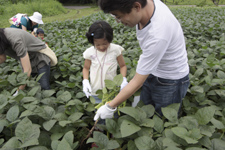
151, 56
86, 54
24, 21
19, 48
119, 50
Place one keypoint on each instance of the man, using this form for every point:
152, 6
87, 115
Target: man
162, 69
29, 50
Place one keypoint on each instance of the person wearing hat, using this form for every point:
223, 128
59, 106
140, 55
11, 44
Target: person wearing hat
29, 23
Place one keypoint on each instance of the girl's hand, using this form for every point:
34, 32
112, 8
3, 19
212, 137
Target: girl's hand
86, 88
124, 83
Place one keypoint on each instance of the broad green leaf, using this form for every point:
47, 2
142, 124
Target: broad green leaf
159, 125
137, 113
12, 143
13, 113
173, 148
131, 145
49, 124
48, 93
56, 136
171, 114
69, 137
221, 74
204, 115
207, 130
12, 79
218, 124
113, 144
144, 143
34, 90
64, 123
3, 123
26, 113
206, 142
191, 137
118, 79
49, 112
189, 122
109, 84
111, 125
3, 101
221, 93
218, 144
64, 145
30, 142
39, 76
167, 142
75, 116
148, 123
65, 97
38, 148
149, 110
197, 89
128, 128
26, 131
199, 72
80, 95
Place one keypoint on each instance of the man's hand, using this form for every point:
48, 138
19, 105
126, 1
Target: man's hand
104, 112
86, 88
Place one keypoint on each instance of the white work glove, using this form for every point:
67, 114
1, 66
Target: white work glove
124, 83
86, 88
104, 112
16, 93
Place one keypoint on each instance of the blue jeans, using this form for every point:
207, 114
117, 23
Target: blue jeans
44, 80
161, 92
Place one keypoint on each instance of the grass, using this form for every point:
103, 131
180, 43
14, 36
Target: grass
193, 2
72, 14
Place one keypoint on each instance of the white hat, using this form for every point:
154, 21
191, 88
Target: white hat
37, 17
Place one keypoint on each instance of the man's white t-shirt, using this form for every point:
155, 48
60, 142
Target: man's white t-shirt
163, 46
103, 65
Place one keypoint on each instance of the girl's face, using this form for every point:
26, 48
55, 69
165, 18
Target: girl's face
41, 35
101, 44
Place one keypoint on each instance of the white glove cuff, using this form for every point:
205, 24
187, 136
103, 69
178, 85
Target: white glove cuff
110, 108
124, 79
85, 81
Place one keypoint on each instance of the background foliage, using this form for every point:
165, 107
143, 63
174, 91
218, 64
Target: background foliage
61, 117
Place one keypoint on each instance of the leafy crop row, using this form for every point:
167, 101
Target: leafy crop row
61, 117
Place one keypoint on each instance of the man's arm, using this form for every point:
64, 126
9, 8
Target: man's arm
129, 90
25, 62
2, 58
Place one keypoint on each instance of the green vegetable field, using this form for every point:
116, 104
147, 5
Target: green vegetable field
62, 118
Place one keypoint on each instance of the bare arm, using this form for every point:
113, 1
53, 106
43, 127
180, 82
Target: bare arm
129, 90
24, 28
25, 62
86, 68
123, 67
2, 58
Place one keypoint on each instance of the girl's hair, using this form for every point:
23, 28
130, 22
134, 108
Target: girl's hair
99, 30
124, 6
4, 43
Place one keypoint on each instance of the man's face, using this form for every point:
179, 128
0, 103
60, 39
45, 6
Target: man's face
128, 19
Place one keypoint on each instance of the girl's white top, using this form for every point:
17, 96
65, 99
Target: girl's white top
163, 46
103, 65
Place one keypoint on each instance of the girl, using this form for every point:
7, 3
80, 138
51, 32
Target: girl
101, 59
